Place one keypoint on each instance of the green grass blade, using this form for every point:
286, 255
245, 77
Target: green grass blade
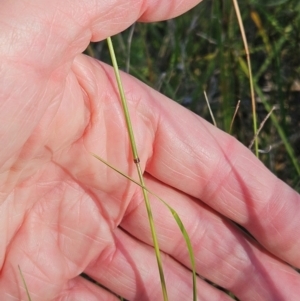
123, 98
187, 241
24, 282
175, 215
138, 167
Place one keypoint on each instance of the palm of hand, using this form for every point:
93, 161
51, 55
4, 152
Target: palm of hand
62, 209
67, 204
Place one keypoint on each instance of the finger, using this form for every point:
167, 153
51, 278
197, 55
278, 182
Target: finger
197, 158
223, 253
38, 46
131, 271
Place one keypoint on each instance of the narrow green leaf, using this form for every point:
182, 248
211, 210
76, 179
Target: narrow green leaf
136, 160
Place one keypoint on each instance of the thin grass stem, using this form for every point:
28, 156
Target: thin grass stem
209, 108
24, 283
234, 115
244, 38
138, 167
262, 125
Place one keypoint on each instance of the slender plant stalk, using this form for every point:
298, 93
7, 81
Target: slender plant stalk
210, 111
262, 125
234, 115
241, 25
176, 217
136, 160
25, 285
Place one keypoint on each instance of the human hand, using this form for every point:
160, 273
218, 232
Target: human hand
64, 213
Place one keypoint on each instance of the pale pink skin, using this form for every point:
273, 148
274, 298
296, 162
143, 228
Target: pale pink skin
62, 212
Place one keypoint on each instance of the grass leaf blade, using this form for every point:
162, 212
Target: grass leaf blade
138, 167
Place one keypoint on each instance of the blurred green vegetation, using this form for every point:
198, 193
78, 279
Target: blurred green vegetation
202, 50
